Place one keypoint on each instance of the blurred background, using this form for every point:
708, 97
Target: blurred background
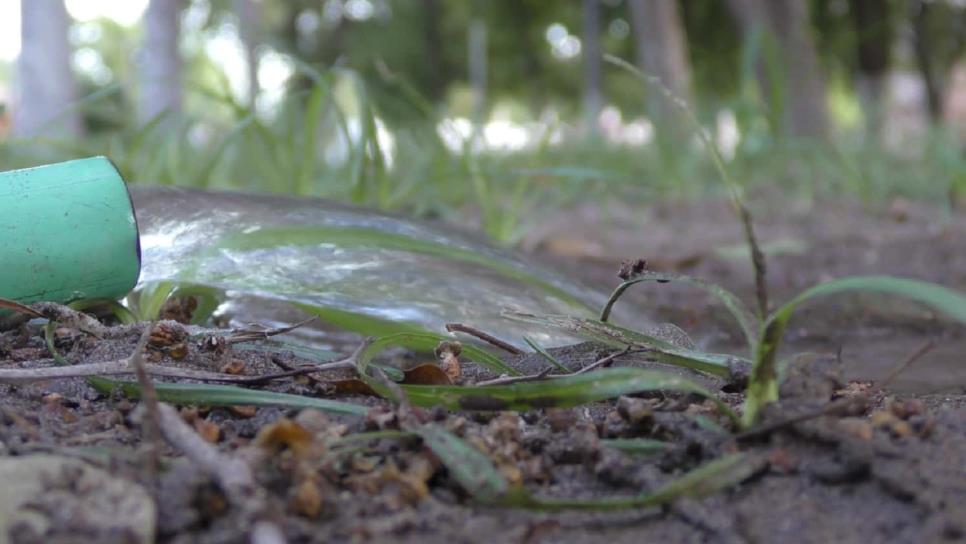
493, 113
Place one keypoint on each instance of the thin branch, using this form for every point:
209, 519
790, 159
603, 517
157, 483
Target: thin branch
234, 476
905, 364
125, 366
545, 373
250, 335
604, 361
151, 424
486, 337
504, 380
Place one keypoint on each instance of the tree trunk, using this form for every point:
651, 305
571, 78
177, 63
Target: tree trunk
250, 35
161, 60
593, 96
46, 82
786, 23
924, 49
873, 25
662, 51
434, 47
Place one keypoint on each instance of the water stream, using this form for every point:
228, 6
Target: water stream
274, 259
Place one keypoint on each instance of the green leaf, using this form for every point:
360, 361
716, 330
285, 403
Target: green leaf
763, 385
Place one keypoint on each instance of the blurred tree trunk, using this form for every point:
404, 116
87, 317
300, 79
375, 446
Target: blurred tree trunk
250, 35
939, 41
46, 82
593, 95
662, 51
161, 60
477, 65
786, 23
434, 47
874, 27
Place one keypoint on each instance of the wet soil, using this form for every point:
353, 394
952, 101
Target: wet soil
890, 468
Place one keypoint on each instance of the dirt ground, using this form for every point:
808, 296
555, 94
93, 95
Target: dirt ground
889, 468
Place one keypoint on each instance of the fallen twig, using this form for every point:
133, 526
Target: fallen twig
233, 475
149, 396
604, 361
127, 366
545, 373
250, 335
486, 337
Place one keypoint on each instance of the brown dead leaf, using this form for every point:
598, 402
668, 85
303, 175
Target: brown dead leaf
307, 499
244, 411
177, 351
179, 309
427, 374
235, 366
209, 430
352, 386
165, 334
284, 433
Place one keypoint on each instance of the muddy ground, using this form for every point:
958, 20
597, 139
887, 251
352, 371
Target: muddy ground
889, 468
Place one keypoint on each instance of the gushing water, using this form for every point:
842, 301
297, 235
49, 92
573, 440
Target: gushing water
274, 257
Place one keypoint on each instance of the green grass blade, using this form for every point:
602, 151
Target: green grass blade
152, 297
637, 446
360, 323
546, 355
226, 395
427, 342
470, 467
660, 348
562, 392
281, 347
763, 385
712, 477
478, 476
745, 318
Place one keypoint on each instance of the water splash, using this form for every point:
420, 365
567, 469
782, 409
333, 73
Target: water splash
273, 257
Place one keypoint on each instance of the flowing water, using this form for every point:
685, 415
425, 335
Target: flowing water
274, 259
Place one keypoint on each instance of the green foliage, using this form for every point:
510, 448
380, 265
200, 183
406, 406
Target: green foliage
763, 385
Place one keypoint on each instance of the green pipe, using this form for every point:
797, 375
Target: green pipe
67, 232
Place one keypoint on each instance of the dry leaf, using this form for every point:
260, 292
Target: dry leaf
307, 499
448, 354
235, 366
208, 430
245, 411
284, 433
427, 374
